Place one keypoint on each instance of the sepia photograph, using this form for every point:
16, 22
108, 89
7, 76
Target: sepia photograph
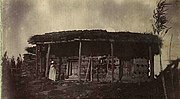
90, 49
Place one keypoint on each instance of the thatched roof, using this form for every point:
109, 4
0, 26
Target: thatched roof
93, 35
97, 42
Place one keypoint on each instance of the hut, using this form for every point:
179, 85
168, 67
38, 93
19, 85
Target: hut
97, 55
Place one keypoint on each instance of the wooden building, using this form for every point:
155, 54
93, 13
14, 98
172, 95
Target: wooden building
85, 53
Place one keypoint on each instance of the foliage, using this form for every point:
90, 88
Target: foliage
160, 19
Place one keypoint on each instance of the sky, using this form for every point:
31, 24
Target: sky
24, 18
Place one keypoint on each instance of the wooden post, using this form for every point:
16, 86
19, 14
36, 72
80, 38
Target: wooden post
79, 62
70, 67
91, 66
40, 69
172, 83
40, 60
47, 60
151, 58
107, 64
112, 60
60, 63
37, 56
176, 80
87, 72
43, 65
120, 69
67, 68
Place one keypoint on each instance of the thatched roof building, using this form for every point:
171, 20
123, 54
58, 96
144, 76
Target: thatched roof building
124, 45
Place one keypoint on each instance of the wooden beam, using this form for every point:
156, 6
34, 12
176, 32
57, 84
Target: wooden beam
151, 58
47, 60
72, 40
112, 60
79, 62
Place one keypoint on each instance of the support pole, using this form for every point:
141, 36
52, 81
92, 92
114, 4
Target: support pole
67, 68
151, 58
40, 69
37, 56
47, 60
60, 63
162, 76
176, 80
70, 67
107, 67
91, 66
79, 62
112, 60
87, 72
40, 60
172, 83
170, 45
120, 69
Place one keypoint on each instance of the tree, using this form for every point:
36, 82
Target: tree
160, 28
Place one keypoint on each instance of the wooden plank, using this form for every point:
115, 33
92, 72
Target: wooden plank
79, 61
47, 60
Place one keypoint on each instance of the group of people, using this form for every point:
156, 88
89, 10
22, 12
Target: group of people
10, 65
10, 62
18, 64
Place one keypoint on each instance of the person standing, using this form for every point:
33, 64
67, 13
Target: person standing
12, 62
52, 71
13, 66
18, 63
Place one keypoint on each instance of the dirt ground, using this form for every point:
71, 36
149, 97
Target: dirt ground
23, 84
46, 89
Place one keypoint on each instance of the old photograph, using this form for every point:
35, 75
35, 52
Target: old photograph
90, 49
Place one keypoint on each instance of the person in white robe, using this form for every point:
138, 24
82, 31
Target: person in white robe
52, 71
